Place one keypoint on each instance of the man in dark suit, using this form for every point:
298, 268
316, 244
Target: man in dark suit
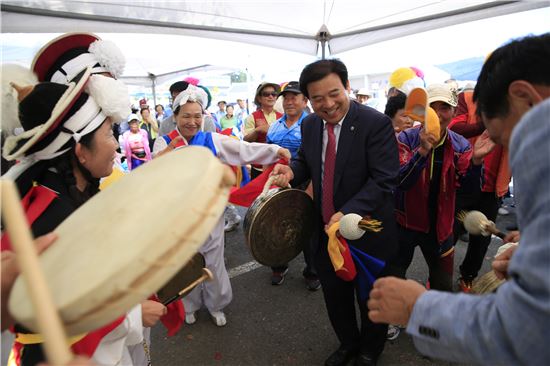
349, 152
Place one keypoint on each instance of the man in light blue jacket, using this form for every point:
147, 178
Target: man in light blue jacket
511, 326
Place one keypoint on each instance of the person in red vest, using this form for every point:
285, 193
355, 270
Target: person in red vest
488, 193
257, 124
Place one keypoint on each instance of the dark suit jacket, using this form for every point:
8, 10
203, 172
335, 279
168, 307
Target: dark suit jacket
366, 173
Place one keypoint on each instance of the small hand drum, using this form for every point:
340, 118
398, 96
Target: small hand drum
110, 254
278, 224
189, 274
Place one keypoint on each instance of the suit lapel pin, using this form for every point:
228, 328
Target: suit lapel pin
352, 128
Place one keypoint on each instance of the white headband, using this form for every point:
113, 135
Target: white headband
74, 66
191, 94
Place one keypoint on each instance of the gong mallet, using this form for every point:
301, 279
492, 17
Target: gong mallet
354, 226
49, 322
476, 223
206, 276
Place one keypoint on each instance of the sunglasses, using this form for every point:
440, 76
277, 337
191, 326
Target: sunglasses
267, 94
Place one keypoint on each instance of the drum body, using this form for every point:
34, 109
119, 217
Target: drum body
185, 277
278, 225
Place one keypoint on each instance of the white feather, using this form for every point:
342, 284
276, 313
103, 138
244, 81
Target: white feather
109, 56
474, 222
111, 95
349, 228
9, 109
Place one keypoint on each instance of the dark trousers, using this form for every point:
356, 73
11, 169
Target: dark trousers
309, 271
488, 203
340, 298
439, 256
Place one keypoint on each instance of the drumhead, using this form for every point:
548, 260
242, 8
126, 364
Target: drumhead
128, 240
278, 225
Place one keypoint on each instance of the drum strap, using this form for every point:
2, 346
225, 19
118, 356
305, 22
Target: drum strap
35, 202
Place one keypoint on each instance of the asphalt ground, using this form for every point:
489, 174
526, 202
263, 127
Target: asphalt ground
281, 325
277, 325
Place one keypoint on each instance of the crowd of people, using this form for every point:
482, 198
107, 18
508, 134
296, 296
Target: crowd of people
412, 175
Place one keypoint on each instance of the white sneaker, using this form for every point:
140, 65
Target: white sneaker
190, 318
502, 211
230, 226
218, 317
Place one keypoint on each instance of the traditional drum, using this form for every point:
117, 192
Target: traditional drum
105, 261
185, 280
278, 224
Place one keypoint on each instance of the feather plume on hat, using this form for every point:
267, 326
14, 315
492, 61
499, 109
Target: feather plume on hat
13, 74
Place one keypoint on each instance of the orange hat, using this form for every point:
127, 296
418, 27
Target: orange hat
416, 104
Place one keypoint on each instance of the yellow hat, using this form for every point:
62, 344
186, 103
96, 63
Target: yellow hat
417, 108
400, 76
432, 123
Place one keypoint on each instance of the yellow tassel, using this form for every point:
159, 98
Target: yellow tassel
369, 224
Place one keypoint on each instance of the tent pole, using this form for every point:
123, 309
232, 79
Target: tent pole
323, 44
153, 86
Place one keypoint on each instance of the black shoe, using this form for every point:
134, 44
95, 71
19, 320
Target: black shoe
277, 278
313, 284
365, 359
341, 357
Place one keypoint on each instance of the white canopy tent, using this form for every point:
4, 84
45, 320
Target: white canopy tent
295, 25
299, 30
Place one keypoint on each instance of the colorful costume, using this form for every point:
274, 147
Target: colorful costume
136, 148
217, 294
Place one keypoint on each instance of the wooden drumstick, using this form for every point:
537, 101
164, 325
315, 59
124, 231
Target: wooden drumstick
49, 322
207, 275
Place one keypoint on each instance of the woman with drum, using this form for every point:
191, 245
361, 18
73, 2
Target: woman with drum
189, 111
67, 145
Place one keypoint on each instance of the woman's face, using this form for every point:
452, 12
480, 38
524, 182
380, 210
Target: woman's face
189, 119
159, 109
99, 157
268, 97
145, 113
134, 126
401, 121
229, 111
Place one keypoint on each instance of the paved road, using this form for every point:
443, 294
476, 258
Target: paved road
279, 325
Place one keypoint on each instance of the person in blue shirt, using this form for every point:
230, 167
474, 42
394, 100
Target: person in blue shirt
510, 326
286, 132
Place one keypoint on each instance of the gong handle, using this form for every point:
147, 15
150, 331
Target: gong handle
49, 322
268, 185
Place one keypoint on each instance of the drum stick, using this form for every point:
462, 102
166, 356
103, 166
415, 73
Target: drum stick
493, 230
49, 322
207, 275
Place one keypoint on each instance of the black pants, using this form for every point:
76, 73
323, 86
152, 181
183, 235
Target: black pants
340, 298
309, 271
438, 256
488, 203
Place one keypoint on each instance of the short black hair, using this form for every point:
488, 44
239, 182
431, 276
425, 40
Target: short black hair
394, 104
319, 70
522, 59
178, 87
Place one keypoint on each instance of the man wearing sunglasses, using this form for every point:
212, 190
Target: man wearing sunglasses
257, 124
